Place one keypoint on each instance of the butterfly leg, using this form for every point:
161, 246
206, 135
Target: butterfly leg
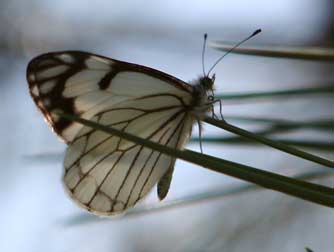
221, 109
214, 116
210, 105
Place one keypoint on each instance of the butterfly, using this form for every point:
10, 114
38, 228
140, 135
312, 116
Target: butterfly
103, 173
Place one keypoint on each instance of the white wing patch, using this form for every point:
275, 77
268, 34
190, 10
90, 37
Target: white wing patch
97, 63
139, 84
51, 72
47, 86
66, 58
35, 91
86, 76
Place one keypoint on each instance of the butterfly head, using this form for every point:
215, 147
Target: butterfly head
207, 83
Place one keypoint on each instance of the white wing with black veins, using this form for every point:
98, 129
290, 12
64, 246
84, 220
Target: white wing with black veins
103, 173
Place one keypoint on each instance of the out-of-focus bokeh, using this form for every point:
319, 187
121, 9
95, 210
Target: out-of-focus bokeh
35, 212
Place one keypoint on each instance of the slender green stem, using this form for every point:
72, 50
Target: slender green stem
266, 141
327, 90
308, 191
320, 124
239, 140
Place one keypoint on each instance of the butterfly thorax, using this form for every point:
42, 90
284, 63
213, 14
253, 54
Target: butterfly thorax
202, 101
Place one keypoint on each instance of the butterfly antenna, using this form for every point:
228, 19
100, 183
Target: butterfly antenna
203, 52
230, 50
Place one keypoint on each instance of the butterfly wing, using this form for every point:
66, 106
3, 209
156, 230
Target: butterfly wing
103, 173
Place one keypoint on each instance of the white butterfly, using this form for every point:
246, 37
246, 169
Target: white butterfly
103, 173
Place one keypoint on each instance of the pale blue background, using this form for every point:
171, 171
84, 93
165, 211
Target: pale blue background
37, 215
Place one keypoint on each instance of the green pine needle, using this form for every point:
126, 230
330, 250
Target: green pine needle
301, 189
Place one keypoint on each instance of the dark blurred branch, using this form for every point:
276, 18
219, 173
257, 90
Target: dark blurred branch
298, 92
305, 53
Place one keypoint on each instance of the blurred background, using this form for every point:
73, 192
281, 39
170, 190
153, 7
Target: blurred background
37, 215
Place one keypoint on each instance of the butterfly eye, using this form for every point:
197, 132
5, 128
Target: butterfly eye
210, 98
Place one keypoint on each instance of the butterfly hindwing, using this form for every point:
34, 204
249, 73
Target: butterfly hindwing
103, 173
111, 174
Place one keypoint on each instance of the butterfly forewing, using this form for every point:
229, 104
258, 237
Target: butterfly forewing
103, 173
85, 84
